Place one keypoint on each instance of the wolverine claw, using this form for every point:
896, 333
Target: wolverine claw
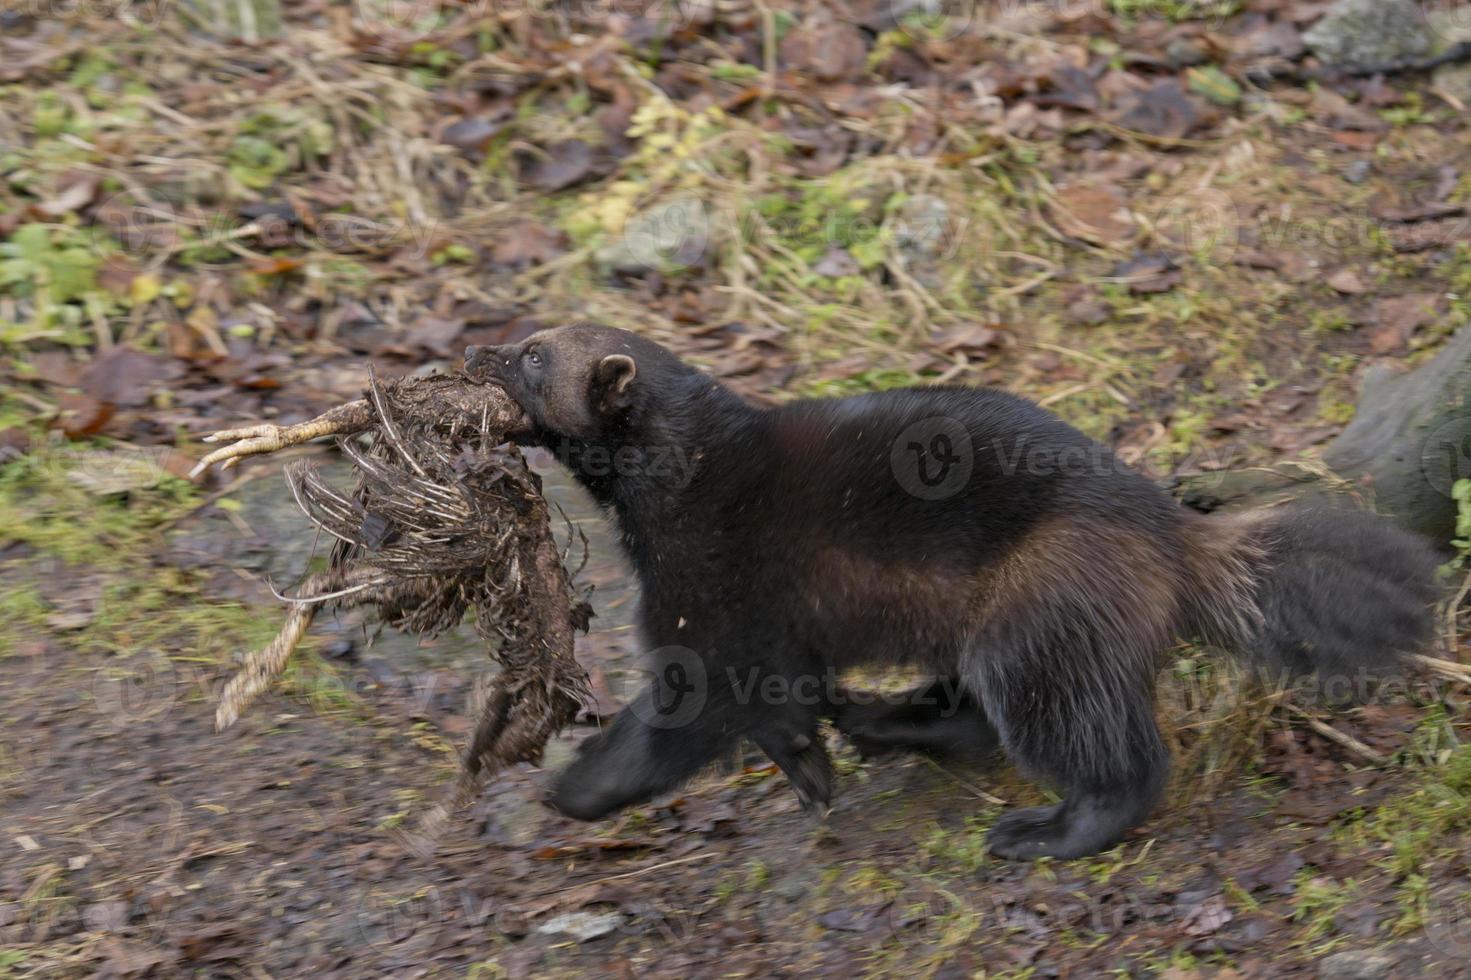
804, 761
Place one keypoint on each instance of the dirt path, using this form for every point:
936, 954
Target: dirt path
136, 841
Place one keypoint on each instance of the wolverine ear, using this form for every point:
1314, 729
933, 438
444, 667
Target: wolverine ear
614, 375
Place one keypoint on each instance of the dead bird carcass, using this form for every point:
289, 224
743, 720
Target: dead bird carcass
445, 518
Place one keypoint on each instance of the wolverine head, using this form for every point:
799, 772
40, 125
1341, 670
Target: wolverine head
575, 382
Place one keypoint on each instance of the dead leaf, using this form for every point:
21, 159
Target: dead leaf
526, 244
1094, 212
1335, 111
82, 415
1163, 109
128, 378
1347, 281
1207, 917
1398, 318
1067, 86
471, 134
833, 52
1149, 274
559, 166
78, 193
435, 336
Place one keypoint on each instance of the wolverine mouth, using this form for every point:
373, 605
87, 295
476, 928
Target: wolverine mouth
480, 366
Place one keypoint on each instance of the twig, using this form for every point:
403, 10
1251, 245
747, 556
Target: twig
974, 790
1334, 735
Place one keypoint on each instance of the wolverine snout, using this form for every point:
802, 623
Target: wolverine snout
488, 362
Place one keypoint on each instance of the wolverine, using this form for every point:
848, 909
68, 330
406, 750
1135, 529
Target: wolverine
964, 532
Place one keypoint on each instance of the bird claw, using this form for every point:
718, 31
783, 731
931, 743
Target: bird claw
258, 440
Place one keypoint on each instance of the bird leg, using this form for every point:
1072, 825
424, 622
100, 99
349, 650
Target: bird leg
257, 440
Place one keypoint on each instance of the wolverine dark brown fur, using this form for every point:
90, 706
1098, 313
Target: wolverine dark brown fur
964, 531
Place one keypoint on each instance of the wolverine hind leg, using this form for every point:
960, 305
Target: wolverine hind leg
1067, 677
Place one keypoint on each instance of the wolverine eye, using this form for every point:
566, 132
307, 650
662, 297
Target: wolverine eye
533, 358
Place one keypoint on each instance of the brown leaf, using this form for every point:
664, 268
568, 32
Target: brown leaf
1163, 109
1207, 917
435, 336
560, 166
833, 52
1335, 111
471, 134
1149, 274
1097, 213
56, 367
1347, 281
1067, 86
82, 415
972, 338
1398, 318
15, 442
78, 194
128, 378
529, 243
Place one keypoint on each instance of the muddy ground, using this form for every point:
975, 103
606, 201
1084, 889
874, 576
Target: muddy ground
1168, 221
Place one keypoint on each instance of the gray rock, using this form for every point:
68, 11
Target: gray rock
1356, 964
582, 926
1371, 32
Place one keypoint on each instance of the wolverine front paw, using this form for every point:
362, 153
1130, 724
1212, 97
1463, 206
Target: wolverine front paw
588, 790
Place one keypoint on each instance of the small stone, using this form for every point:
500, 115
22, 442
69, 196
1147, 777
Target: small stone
1361, 33
1184, 52
1356, 964
1358, 171
581, 926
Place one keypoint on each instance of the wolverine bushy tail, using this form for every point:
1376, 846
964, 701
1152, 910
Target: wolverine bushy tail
1335, 591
